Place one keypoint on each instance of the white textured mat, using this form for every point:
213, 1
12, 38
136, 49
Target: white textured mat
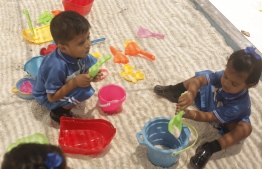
191, 44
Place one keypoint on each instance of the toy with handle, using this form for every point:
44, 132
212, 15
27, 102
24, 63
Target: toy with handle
177, 122
93, 70
133, 49
30, 23
118, 56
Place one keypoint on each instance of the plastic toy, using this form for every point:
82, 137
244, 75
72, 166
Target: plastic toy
26, 87
45, 51
155, 133
131, 76
133, 49
118, 56
17, 88
35, 138
97, 41
56, 12
144, 33
82, 7
36, 35
85, 136
45, 18
176, 122
127, 42
96, 54
93, 70
111, 98
31, 67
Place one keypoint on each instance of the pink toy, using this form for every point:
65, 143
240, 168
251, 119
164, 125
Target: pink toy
144, 33
26, 87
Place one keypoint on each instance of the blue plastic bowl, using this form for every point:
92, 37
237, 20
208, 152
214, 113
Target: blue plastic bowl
16, 89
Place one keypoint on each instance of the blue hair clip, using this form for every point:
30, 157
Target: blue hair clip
53, 160
251, 51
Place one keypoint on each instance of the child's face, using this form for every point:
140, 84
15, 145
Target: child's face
78, 47
232, 81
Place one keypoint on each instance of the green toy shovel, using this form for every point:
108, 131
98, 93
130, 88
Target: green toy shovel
93, 70
176, 122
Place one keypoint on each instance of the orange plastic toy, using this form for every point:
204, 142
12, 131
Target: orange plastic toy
133, 49
118, 56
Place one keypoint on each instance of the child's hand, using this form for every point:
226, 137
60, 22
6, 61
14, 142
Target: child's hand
98, 76
185, 100
83, 80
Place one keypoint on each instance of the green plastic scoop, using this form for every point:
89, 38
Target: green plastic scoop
93, 70
176, 122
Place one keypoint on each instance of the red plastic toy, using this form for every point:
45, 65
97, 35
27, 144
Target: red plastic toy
85, 136
133, 49
83, 7
49, 49
118, 56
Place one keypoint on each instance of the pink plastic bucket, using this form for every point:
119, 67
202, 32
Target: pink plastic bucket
111, 98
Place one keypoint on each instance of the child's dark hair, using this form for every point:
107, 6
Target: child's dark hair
34, 156
247, 61
66, 25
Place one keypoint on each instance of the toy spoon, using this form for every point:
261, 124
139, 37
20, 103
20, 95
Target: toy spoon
93, 70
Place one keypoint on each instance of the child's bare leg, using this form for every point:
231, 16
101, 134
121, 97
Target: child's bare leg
238, 131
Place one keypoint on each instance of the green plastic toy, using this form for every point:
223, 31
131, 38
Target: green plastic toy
29, 21
93, 70
45, 18
176, 121
35, 138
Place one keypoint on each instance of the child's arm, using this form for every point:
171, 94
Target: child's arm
200, 116
82, 80
192, 85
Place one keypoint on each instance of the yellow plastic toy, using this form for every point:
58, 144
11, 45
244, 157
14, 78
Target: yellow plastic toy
36, 35
131, 76
96, 54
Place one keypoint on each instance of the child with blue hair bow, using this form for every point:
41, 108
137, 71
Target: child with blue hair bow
34, 156
222, 97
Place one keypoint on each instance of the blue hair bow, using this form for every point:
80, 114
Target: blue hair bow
53, 160
251, 51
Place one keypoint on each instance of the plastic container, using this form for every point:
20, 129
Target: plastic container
85, 136
111, 98
16, 89
32, 65
155, 133
83, 7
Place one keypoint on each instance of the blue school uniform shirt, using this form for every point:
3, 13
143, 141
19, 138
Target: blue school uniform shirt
56, 69
229, 107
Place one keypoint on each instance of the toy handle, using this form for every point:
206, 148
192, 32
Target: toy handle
187, 148
104, 105
105, 74
97, 40
14, 90
148, 55
29, 21
139, 139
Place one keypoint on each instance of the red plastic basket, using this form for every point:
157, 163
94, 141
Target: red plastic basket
83, 7
85, 136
